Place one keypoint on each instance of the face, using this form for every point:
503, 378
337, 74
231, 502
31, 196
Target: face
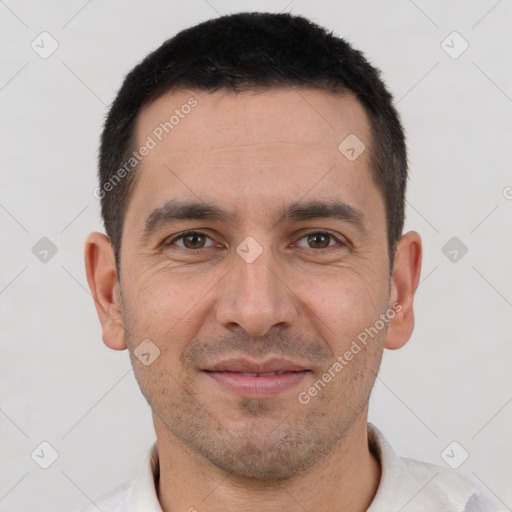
254, 253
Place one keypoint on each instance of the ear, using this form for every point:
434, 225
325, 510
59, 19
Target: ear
102, 278
404, 282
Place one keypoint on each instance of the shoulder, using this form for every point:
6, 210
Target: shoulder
115, 500
446, 489
411, 485
136, 495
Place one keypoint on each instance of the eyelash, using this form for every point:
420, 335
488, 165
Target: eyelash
188, 233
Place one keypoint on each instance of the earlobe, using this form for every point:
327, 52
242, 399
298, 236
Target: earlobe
405, 280
102, 278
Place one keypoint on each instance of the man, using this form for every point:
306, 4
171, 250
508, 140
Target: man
252, 182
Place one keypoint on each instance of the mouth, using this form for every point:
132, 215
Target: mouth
251, 379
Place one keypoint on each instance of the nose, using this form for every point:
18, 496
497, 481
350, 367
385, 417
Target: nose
256, 297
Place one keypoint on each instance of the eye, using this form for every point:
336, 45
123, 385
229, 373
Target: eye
319, 240
196, 240
191, 240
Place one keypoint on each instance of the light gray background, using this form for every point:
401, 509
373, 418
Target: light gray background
60, 384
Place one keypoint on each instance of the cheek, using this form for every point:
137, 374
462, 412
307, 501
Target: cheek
343, 305
164, 305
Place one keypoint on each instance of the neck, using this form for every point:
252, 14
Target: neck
345, 479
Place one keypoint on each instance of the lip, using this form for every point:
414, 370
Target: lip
252, 379
244, 365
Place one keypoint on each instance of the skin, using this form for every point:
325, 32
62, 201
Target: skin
252, 153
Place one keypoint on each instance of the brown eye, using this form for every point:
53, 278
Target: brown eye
194, 240
191, 240
318, 240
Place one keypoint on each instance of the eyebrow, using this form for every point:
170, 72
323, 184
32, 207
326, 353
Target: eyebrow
174, 211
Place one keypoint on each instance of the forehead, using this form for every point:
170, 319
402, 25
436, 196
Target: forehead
278, 145
307, 116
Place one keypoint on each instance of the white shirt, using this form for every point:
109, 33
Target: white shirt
406, 485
